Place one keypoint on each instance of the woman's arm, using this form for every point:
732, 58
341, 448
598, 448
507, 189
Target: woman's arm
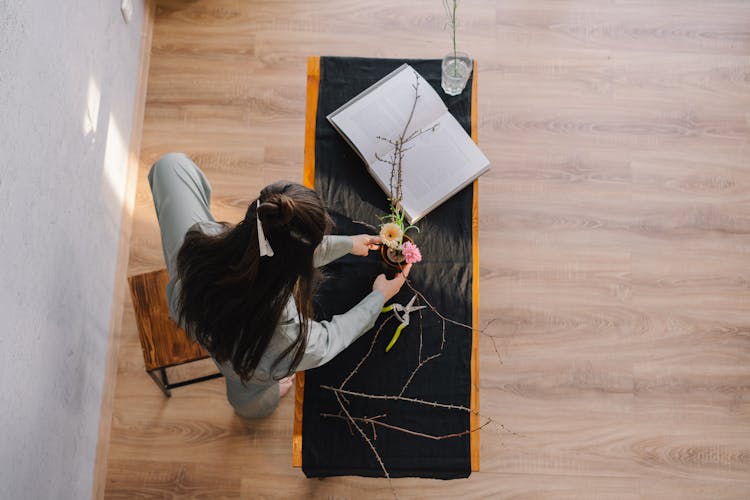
335, 247
331, 248
328, 338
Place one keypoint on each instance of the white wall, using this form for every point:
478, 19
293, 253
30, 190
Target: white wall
68, 73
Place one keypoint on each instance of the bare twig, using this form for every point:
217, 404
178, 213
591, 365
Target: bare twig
421, 131
385, 139
419, 358
366, 224
434, 309
414, 372
397, 398
413, 106
372, 421
494, 345
364, 358
369, 443
396, 158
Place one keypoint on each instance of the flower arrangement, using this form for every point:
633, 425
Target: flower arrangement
397, 246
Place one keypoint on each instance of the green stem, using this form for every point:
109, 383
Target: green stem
453, 24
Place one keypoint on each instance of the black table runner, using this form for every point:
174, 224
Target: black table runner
330, 445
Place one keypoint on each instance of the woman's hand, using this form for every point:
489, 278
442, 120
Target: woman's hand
389, 288
363, 243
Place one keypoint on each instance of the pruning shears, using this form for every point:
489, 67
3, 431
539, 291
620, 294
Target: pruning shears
402, 314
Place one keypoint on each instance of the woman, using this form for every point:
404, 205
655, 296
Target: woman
245, 291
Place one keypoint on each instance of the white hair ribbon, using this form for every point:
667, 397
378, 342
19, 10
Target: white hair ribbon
263, 244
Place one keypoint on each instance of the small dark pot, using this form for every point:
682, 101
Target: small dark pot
394, 258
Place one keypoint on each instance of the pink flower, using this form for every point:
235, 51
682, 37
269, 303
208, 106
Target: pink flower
411, 252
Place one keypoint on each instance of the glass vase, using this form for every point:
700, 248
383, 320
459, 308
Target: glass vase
456, 70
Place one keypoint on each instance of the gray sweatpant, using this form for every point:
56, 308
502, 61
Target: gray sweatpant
182, 197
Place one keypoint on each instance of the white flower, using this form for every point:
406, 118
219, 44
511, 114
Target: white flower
391, 233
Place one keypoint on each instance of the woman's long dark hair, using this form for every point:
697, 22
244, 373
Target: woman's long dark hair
232, 298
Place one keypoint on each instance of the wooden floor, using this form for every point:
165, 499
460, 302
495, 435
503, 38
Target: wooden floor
614, 233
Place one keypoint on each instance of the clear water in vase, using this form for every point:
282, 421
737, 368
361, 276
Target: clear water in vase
456, 70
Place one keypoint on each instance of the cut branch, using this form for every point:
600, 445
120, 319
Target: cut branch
397, 398
414, 372
369, 443
434, 309
364, 358
372, 421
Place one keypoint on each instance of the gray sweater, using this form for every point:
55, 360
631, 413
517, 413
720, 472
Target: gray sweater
325, 338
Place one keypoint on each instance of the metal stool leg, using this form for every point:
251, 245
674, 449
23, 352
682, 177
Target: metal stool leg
164, 379
163, 383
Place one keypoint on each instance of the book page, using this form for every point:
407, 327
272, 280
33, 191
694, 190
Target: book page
437, 165
383, 110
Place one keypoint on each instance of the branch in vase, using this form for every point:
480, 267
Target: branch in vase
413, 106
421, 131
366, 224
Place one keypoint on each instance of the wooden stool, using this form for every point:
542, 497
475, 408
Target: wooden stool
164, 343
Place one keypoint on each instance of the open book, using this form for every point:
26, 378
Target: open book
438, 162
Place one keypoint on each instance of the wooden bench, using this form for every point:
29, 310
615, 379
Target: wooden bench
163, 342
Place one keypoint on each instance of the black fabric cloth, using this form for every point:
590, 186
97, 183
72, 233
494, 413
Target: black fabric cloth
330, 447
